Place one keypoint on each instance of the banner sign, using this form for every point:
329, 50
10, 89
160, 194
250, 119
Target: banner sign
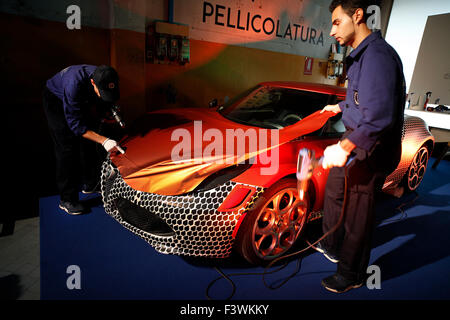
288, 26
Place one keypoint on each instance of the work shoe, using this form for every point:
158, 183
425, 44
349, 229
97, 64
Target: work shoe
89, 189
72, 208
338, 284
320, 248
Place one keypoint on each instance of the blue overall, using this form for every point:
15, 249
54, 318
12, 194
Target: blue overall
373, 116
68, 99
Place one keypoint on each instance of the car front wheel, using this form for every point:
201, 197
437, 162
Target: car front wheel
272, 226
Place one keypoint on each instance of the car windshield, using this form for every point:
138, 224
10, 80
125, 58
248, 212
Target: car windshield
274, 107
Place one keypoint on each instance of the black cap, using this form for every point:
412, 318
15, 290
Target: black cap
107, 81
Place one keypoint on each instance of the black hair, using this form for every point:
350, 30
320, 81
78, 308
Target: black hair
350, 6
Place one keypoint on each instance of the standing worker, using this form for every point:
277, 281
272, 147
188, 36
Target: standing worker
373, 116
68, 99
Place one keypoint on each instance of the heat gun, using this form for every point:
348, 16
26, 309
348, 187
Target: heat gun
115, 113
306, 163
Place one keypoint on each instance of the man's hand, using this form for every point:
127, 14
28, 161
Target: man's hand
331, 107
334, 156
110, 144
107, 143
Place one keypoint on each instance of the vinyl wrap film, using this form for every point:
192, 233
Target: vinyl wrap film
150, 169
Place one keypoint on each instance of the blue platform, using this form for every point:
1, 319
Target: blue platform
411, 247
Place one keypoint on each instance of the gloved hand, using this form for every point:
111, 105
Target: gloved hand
331, 107
110, 144
334, 156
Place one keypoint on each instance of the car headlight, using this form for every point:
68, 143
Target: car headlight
222, 176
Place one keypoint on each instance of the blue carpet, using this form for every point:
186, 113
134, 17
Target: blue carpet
411, 247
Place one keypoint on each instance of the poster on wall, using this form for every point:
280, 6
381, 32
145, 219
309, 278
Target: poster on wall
298, 27
307, 70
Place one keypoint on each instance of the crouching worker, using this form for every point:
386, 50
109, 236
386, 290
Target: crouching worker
68, 98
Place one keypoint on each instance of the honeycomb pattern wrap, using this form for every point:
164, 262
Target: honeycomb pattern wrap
415, 133
199, 229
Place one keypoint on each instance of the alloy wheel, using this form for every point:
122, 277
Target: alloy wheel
417, 168
278, 224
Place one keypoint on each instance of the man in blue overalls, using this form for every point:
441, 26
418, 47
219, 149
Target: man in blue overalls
68, 99
373, 116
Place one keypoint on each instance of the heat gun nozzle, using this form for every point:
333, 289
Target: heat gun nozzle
117, 116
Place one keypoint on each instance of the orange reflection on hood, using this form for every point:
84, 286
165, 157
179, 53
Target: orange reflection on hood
148, 166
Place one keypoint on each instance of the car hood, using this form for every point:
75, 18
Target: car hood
148, 164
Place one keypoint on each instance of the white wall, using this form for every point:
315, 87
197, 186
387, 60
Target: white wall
406, 26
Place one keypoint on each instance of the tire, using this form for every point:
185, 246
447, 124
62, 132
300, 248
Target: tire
272, 226
416, 170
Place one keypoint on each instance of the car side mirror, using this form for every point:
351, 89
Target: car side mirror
213, 103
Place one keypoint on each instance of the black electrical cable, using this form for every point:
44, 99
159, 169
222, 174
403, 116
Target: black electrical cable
228, 278
224, 276
403, 214
100, 150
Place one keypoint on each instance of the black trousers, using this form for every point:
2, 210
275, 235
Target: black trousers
77, 159
352, 241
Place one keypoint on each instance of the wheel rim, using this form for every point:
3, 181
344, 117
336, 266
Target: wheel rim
278, 224
417, 168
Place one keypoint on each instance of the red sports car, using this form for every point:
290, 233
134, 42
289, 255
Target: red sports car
204, 181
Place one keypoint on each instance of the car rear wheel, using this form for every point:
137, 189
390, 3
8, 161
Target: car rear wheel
417, 169
273, 225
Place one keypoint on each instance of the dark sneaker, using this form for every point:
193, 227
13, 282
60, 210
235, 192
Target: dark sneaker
89, 189
72, 208
338, 284
318, 247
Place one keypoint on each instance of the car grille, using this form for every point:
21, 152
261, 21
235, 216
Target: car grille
141, 218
